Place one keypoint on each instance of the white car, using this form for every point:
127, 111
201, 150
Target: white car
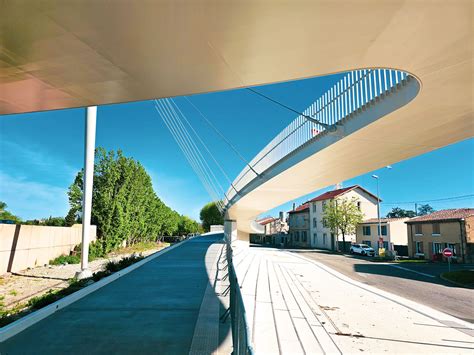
362, 249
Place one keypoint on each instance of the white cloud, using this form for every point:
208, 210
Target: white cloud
29, 199
36, 158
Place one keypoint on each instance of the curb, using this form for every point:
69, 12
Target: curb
23, 323
427, 311
455, 283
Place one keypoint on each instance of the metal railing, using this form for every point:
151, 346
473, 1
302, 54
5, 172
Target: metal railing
240, 330
352, 93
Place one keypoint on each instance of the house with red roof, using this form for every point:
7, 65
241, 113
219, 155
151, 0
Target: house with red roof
451, 228
317, 234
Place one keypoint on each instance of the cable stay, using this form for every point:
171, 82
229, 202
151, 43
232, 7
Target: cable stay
222, 137
178, 124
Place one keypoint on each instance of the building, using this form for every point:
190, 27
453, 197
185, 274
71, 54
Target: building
298, 221
314, 233
321, 236
453, 228
274, 231
393, 233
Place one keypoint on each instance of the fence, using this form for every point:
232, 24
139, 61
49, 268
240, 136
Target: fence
240, 330
353, 92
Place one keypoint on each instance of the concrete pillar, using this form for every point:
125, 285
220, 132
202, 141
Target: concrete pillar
230, 230
89, 149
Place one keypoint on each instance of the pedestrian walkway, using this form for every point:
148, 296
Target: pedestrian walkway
297, 306
169, 305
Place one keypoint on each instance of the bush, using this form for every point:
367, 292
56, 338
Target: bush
114, 266
66, 259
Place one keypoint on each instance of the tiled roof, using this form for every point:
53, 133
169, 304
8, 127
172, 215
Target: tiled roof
334, 193
384, 220
265, 220
301, 208
451, 214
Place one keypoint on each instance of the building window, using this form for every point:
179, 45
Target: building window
358, 205
418, 230
315, 223
324, 238
384, 230
368, 242
315, 236
324, 204
297, 237
314, 207
304, 236
324, 223
366, 230
419, 247
437, 248
436, 230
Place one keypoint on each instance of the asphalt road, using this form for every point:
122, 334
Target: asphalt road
417, 282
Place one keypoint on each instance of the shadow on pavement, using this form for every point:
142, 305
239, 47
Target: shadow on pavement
152, 309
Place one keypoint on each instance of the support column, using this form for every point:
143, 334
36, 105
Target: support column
230, 229
89, 149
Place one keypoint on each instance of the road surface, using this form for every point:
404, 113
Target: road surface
417, 282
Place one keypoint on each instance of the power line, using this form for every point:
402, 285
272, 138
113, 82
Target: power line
453, 198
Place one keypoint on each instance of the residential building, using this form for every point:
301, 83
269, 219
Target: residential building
275, 231
452, 228
324, 238
298, 220
393, 233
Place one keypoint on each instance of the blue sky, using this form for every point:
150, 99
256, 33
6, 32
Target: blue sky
40, 153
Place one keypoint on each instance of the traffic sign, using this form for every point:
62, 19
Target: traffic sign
447, 252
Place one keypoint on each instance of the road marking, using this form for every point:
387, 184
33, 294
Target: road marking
416, 272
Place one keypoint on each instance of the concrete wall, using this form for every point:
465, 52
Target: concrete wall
23, 246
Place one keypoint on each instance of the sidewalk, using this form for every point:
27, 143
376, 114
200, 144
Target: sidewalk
296, 305
157, 308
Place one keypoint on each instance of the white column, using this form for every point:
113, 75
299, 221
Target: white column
89, 148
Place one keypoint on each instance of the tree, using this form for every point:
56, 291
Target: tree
425, 209
343, 215
210, 215
124, 204
6, 215
398, 212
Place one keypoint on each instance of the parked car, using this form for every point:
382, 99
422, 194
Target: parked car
362, 249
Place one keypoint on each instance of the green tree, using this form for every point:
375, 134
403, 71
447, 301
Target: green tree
124, 204
342, 215
210, 215
4, 214
425, 209
186, 225
398, 212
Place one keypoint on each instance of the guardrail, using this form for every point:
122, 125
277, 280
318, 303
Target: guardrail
240, 330
355, 91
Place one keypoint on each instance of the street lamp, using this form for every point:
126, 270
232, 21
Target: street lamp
378, 209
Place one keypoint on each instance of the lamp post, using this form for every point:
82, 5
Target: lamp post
379, 231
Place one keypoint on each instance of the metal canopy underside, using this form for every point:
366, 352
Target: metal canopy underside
60, 54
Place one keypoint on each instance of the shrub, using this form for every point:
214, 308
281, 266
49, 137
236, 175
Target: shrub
114, 266
66, 259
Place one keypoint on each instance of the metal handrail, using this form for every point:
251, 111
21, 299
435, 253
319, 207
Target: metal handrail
240, 329
352, 93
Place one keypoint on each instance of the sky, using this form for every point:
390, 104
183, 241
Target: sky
40, 153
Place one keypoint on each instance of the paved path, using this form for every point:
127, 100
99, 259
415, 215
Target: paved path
417, 282
155, 309
295, 306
